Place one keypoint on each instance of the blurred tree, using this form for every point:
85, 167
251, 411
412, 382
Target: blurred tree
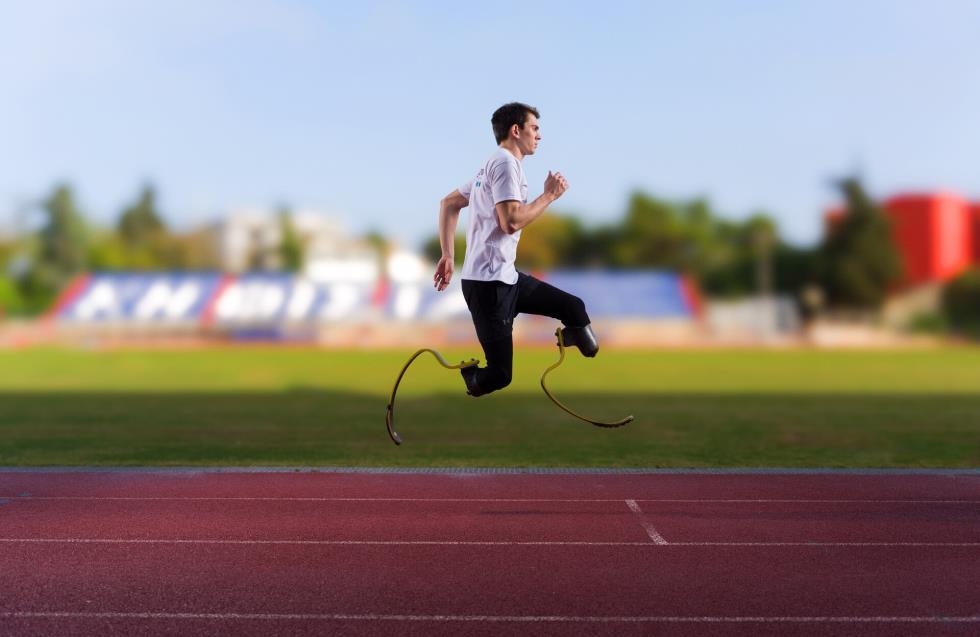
712, 243
652, 235
793, 268
61, 249
140, 223
141, 240
291, 248
688, 237
961, 302
63, 236
108, 251
858, 260
728, 265
591, 248
682, 236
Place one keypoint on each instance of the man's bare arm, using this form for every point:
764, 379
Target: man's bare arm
449, 209
513, 215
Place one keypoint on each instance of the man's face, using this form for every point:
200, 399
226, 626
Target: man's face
529, 135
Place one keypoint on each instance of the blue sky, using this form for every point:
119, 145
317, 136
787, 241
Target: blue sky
374, 111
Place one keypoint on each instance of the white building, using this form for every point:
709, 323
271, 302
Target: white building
249, 239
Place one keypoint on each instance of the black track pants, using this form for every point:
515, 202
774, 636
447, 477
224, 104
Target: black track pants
493, 306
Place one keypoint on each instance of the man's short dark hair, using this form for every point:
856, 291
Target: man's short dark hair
508, 115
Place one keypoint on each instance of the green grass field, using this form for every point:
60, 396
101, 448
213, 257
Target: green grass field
303, 407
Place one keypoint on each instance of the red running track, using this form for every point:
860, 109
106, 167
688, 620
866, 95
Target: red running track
310, 553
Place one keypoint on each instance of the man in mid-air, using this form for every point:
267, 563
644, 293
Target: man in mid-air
494, 290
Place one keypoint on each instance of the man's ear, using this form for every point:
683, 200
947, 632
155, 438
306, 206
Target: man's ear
516, 129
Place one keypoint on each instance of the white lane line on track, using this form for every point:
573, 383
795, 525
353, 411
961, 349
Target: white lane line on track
319, 542
844, 544
655, 537
330, 499
34, 540
327, 499
930, 619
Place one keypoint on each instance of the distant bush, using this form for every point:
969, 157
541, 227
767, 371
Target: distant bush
928, 323
961, 302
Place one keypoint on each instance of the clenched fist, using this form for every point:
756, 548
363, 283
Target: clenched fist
555, 185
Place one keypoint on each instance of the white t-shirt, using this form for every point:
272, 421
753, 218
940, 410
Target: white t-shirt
490, 252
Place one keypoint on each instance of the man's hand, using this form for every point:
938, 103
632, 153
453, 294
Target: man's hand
444, 273
555, 185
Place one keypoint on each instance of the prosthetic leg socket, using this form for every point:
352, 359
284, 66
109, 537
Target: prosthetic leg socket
581, 337
469, 377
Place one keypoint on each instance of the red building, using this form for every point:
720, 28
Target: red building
975, 232
934, 234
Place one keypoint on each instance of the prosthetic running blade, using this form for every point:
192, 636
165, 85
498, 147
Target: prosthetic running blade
561, 359
390, 412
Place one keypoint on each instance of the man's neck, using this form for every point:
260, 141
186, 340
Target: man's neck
511, 146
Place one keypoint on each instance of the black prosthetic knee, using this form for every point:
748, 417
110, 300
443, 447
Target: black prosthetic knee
582, 338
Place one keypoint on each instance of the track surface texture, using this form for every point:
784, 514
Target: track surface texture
322, 552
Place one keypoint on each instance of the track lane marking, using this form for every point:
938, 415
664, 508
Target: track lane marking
14, 498
320, 542
469, 542
655, 537
938, 619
